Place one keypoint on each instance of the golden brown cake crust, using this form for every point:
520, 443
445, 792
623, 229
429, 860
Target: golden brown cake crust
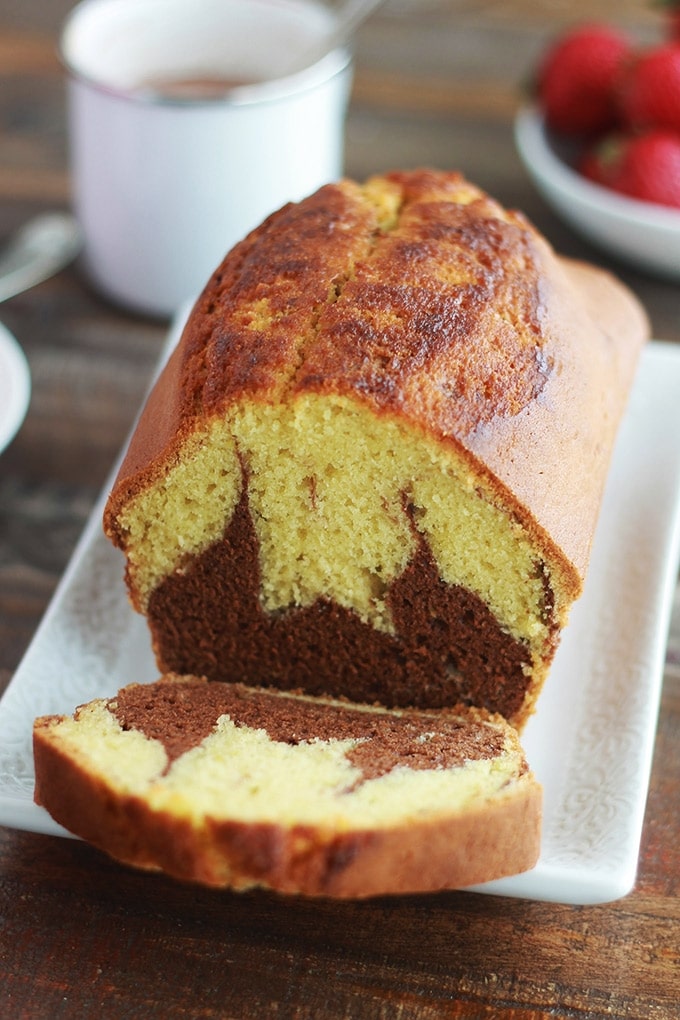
496, 837
524, 364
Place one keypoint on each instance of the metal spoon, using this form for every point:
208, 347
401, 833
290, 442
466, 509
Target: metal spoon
350, 15
38, 250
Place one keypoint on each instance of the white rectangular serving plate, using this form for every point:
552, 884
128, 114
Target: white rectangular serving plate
591, 740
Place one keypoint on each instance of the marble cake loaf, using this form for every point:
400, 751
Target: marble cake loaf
373, 466
233, 786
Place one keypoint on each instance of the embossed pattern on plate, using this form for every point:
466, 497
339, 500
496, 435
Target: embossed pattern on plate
591, 740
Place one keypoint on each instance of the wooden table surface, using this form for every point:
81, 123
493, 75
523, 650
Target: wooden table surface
437, 83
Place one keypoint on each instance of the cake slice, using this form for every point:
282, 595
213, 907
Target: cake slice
235, 786
373, 466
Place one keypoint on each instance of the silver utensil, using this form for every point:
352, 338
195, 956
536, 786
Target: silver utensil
350, 15
37, 251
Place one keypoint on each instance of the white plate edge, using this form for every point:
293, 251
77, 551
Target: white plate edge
12, 416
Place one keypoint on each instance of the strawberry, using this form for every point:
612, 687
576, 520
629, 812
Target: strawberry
600, 160
649, 89
576, 79
647, 167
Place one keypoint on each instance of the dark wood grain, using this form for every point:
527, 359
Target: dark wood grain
81, 937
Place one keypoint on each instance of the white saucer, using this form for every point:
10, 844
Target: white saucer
15, 387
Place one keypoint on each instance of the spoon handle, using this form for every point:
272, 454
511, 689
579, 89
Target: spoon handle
41, 248
351, 14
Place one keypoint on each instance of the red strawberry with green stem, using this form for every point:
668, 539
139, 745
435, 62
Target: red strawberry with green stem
644, 166
600, 160
649, 89
649, 168
576, 79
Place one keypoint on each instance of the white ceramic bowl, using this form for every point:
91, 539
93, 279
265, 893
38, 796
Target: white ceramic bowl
15, 387
643, 234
